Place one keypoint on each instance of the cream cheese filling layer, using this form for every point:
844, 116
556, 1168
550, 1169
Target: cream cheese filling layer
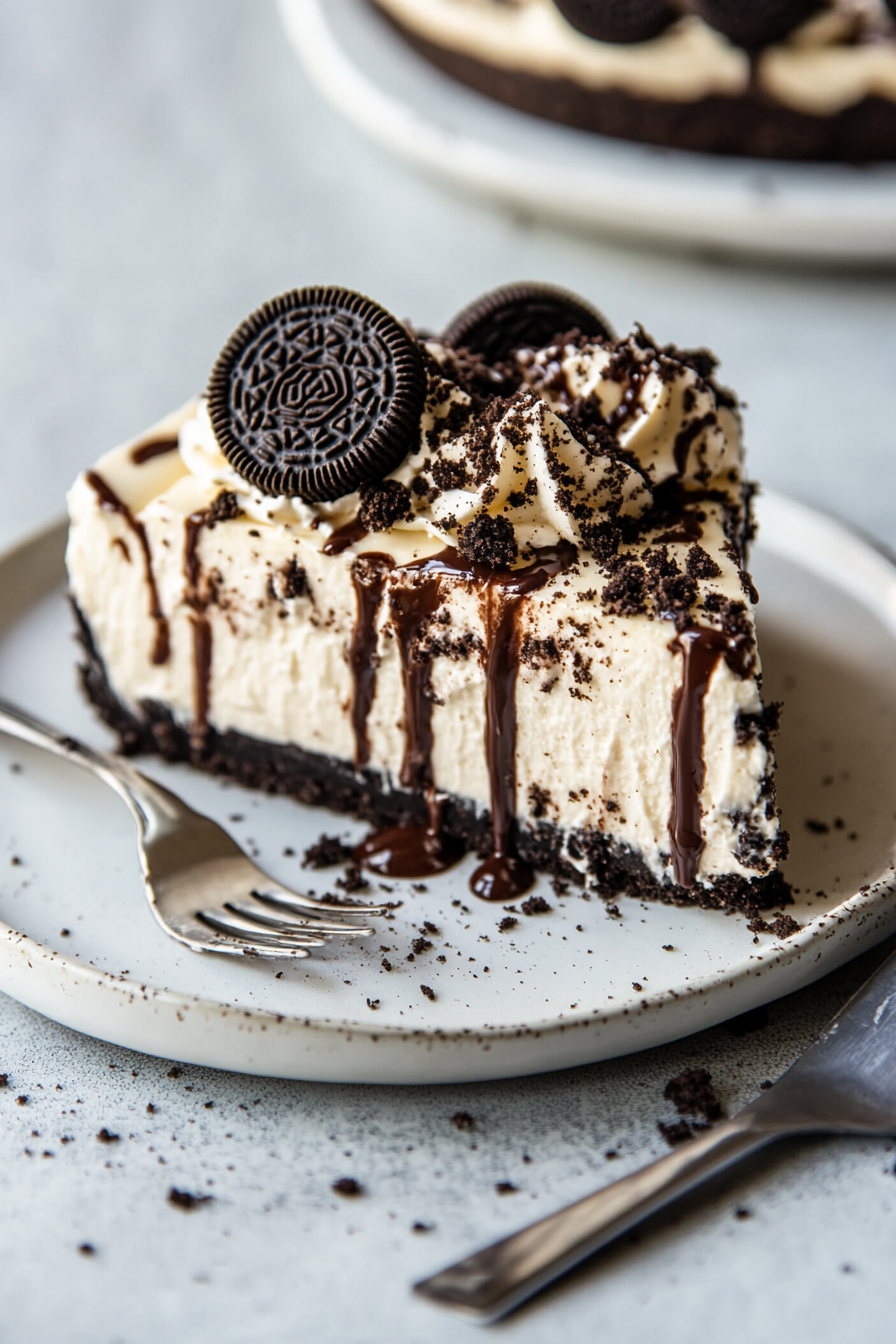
819, 70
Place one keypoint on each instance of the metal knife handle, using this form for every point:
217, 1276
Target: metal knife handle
493, 1281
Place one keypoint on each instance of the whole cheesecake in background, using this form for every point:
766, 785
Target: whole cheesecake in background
778, 79
486, 590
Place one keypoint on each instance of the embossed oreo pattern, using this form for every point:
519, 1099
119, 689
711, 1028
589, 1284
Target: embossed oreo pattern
317, 392
522, 316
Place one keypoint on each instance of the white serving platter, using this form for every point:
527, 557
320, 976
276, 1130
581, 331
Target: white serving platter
816, 212
554, 992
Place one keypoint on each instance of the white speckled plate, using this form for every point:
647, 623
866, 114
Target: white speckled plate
813, 211
77, 941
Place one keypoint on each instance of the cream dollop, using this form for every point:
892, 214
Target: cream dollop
517, 458
524, 465
663, 412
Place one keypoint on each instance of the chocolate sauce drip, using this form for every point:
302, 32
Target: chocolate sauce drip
701, 650
108, 499
401, 851
412, 609
503, 876
202, 679
415, 851
685, 437
198, 599
122, 546
412, 851
345, 536
369, 574
144, 452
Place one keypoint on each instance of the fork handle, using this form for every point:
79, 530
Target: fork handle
491, 1282
147, 800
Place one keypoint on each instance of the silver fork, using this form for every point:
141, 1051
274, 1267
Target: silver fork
201, 887
843, 1084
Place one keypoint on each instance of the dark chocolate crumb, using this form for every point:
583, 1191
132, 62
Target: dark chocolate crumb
105, 1136
816, 827
225, 507
766, 1085
386, 965
384, 503
422, 1227
508, 923
21, 1101
638, 988
668, 947
691, 1093
4, 1080
488, 541
701, 565
535, 905
613, 910
785, 926
347, 1186
678, 1132
506, 1188
463, 1120
86, 1249
427, 992
174, 1073
353, 880
373, 1004
742, 1214
182, 1199
326, 852
150, 1109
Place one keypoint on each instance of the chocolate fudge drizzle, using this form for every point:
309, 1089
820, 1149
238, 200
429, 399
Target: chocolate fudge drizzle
201, 627
504, 876
145, 452
108, 499
408, 851
418, 851
701, 650
345, 536
369, 574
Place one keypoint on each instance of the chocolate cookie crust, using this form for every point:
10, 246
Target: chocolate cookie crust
328, 782
751, 125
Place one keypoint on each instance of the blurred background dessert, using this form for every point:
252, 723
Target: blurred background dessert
779, 79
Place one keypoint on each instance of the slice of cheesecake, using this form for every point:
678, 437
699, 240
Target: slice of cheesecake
487, 592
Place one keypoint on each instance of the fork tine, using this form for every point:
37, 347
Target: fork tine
270, 921
291, 900
226, 922
268, 948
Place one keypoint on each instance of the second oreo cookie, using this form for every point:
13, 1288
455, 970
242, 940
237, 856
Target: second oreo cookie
522, 316
318, 391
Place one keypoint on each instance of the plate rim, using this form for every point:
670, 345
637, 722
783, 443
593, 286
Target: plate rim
782, 956
755, 206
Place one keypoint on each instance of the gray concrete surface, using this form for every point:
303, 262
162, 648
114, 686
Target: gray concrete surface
162, 169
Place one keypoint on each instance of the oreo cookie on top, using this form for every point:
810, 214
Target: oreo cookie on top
522, 316
318, 391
